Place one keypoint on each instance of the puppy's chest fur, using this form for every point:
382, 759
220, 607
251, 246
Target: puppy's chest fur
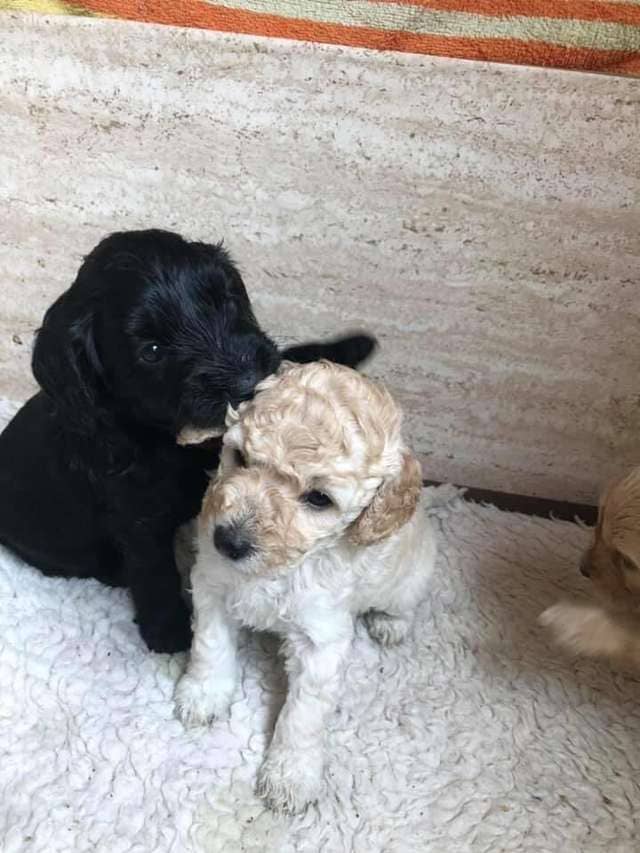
295, 601
161, 481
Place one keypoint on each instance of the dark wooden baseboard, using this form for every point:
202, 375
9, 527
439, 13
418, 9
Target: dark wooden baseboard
530, 506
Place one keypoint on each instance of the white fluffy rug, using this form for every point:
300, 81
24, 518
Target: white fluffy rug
475, 736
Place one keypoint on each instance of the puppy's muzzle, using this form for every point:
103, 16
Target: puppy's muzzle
243, 388
232, 541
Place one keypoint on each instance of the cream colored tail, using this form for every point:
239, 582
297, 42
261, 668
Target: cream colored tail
587, 629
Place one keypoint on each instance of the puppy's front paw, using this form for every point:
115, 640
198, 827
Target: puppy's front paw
170, 634
198, 701
584, 629
386, 629
289, 781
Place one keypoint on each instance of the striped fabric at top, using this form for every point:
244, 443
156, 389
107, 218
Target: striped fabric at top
580, 34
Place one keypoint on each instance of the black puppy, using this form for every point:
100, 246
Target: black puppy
155, 334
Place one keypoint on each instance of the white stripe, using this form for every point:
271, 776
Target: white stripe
416, 19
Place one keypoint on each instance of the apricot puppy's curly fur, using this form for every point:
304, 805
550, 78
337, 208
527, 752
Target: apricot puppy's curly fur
610, 628
310, 522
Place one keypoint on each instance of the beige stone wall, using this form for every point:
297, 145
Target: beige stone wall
482, 220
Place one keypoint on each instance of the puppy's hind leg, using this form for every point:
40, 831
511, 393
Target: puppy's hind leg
388, 629
391, 621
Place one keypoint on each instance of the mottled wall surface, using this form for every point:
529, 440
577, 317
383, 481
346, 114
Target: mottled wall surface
483, 221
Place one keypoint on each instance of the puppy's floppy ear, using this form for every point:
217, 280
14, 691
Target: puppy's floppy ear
65, 361
349, 350
619, 517
392, 506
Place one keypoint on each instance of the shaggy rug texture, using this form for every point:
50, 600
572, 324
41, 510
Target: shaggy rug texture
476, 735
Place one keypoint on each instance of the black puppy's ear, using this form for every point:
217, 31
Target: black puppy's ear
65, 362
350, 350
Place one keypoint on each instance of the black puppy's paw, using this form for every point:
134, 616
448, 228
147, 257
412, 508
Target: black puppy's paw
169, 634
350, 350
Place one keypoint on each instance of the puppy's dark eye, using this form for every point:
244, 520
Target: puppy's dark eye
316, 499
152, 353
239, 458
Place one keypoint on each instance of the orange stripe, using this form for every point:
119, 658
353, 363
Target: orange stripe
190, 13
584, 10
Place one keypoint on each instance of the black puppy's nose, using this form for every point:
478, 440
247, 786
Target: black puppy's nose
264, 362
585, 567
245, 386
232, 542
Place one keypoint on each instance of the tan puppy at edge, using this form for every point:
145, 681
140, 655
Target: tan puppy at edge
610, 629
312, 521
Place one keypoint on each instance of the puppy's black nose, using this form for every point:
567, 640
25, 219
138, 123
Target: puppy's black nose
232, 541
264, 362
245, 386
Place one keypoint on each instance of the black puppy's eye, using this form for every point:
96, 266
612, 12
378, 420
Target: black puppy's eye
239, 458
152, 353
316, 499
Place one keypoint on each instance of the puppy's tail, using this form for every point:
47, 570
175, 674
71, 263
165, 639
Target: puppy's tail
351, 350
586, 629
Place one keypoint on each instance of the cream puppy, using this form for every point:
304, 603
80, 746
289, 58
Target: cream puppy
611, 627
312, 521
